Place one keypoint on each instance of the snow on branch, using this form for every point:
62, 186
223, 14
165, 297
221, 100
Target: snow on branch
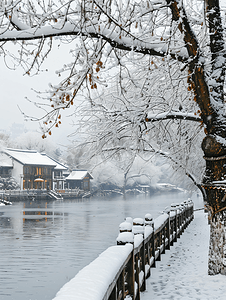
91, 31
172, 115
17, 23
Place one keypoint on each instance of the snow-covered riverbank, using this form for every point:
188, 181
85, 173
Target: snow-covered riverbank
182, 273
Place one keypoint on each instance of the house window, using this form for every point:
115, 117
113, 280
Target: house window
26, 170
39, 171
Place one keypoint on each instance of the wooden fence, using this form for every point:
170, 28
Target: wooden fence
140, 244
22, 194
14, 195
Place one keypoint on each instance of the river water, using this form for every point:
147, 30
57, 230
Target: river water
44, 244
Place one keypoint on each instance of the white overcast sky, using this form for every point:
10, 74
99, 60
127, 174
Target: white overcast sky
15, 87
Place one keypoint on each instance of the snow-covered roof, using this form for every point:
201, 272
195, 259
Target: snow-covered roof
78, 175
5, 161
30, 157
59, 166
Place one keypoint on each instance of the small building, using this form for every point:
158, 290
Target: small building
31, 169
79, 179
60, 171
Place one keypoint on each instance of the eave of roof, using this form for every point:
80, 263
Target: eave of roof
59, 166
78, 175
30, 157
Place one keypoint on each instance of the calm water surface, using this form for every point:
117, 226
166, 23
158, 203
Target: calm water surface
44, 244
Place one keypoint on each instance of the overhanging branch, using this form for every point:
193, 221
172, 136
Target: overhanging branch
114, 39
172, 116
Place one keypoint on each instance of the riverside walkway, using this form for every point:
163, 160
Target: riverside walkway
121, 272
182, 272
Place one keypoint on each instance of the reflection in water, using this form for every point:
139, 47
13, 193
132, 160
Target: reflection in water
44, 244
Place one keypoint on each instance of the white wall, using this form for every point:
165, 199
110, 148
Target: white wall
17, 172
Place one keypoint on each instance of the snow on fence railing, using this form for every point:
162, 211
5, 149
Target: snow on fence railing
121, 271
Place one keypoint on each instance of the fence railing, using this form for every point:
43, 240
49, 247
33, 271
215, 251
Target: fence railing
121, 271
68, 191
19, 193
33, 193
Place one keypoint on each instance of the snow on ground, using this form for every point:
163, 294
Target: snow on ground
182, 272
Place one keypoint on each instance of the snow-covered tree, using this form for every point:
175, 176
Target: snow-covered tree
4, 140
111, 37
114, 125
32, 141
8, 183
124, 172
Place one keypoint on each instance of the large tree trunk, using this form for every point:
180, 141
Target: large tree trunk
215, 156
217, 263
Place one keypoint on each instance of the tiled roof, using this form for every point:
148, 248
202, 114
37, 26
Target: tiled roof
78, 175
5, 161
59, 166
30, 157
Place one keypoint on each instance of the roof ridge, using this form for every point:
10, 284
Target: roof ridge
21, 150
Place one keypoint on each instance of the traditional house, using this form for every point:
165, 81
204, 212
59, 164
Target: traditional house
31, 169
60, 171
79, 179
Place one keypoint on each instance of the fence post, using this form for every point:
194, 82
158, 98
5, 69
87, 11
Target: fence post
137, 280
148, 257
126, 236
186, 213
153, 246
164, 239
159, 237
138, 228
191, 210
148, 220
178, 220
113, 295
182, 217
143, 287
176, 223
131, 277
174, 233
149, 223
168, 231
123, 283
